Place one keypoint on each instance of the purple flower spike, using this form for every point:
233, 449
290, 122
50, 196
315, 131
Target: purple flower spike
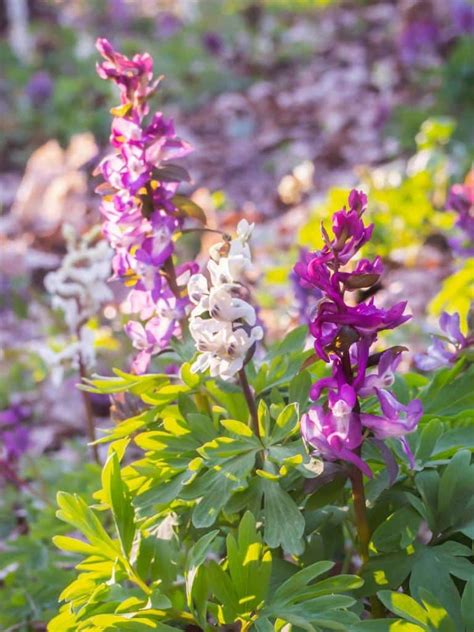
334, 436
343, 334
141, 219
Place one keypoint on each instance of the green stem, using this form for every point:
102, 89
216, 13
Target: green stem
358, 498
363, 531
170, 272
249, 398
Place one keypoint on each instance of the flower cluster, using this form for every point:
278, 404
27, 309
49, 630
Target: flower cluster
79, 287
223, 323
344, 334
446, 349
461, 200
139, 204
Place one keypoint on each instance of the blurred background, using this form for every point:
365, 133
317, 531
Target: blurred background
288, 104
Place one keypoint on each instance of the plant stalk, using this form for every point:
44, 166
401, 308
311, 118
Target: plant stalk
358, 498
90, 422
249, 398
170, 272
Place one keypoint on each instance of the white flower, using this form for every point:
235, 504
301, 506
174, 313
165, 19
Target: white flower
226, 336
79, 287
219, 301
75, 350
222, 349
230, 260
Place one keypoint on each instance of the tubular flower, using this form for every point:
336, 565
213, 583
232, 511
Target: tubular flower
223, 323
141, 218
445, 350
344, 334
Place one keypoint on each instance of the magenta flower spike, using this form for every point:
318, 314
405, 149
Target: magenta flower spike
343, 335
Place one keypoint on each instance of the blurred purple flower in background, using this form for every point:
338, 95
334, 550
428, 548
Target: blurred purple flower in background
39, 88
168, 25
14, 435
213, 43
419, 40
444, 350
462, 13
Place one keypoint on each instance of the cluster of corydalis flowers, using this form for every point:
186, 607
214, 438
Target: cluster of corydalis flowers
223, 323
141, 216
344, 334
79, 289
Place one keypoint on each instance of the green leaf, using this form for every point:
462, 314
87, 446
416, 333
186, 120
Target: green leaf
428, 439
467, 604
187, 207
75, 512
386, 571
398, 530
74, 546
263, 419
118, 498
403, 606
297, 582
284, 523
241, 590
285, 424
456, 480
237, 427
194, 576
438, 617
450, 394
299, 389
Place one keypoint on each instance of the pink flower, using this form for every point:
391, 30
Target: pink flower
397, 420
334, 436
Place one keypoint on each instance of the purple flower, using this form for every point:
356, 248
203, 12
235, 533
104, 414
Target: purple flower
385, 375
213, 43
141, 219
461, 200
364, 320
462, 13
132, 76
14, 436
397, 421
419, 39
443, 352
365, 274
343, 335
39, 88
334, 435
148, 339
168, 25
350, 234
